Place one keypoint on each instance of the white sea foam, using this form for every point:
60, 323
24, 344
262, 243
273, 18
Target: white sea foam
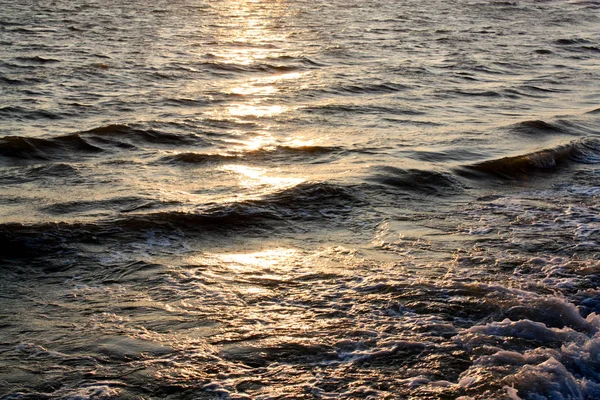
98, 391
565, 367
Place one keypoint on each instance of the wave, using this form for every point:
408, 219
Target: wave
242, 68
572, 41
22, 81
121, 204
137, 135
54, 170
37, 60
229, 124
534, 88
20, 113
578, 45
186, 102
311, 196
455, 154
343, 90
368, 88
9, 81
38, 240
303, 203
300, 60
261, 155
330, 109
18, 147
585, 151
89, 142
475, 93
529, 91
558, 127
198, 158
537, 127
416, 180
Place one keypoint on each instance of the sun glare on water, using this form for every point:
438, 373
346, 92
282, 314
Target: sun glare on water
252, 41
254, 177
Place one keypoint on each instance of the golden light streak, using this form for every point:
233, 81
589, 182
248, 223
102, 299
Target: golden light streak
245, 110
253, 177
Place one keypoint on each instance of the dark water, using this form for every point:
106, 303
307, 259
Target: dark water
299, 200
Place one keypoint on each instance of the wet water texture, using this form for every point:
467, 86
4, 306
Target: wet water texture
299, 200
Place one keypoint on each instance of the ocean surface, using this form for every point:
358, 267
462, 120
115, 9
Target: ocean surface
294, 199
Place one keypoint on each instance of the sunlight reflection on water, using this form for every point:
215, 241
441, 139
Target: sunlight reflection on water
274, 199
254, 177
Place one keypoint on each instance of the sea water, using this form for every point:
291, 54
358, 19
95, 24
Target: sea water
299, 199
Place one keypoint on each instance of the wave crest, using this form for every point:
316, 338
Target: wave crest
586, 151
18, 147
261, 155
416, 180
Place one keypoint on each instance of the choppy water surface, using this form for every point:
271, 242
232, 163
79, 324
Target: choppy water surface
299, 199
